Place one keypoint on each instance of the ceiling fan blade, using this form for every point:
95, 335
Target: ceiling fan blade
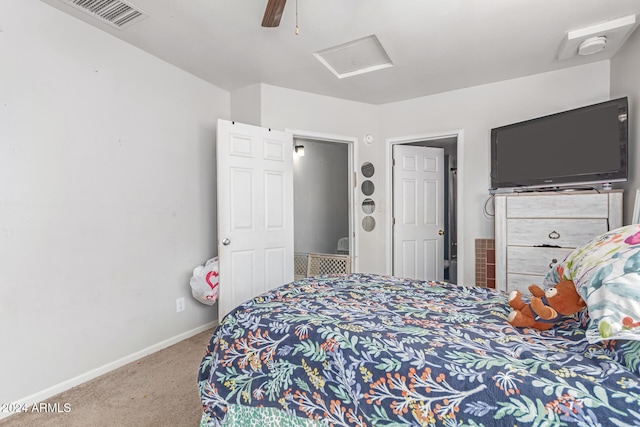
273, 13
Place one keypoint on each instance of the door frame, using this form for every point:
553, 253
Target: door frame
390, 142
354, 248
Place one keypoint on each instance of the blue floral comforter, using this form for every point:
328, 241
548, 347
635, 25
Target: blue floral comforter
368, 350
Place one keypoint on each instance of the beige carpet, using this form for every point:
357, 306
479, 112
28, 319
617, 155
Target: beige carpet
158, 390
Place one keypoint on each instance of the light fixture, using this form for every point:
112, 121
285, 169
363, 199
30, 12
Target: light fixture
592, 45
603, 38
299, 150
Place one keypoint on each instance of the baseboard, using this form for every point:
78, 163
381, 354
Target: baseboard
94, 373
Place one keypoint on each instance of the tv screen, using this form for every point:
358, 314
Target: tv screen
586, 145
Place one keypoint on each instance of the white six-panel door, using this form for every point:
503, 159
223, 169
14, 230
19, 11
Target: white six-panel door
418, 212
255, 211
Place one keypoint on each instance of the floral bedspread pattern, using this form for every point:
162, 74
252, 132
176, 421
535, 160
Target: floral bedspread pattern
368, 350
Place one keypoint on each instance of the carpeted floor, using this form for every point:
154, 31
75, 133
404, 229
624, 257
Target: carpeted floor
157, 390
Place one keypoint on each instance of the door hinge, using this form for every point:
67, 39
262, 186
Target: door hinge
355, 180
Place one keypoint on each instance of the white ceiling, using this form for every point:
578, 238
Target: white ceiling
435, 45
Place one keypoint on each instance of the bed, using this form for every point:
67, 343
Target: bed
372, 350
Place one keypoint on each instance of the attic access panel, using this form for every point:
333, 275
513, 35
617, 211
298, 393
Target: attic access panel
355, 57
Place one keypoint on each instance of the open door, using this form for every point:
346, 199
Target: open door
255, 211
418, 212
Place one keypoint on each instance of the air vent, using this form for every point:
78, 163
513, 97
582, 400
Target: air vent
117, 13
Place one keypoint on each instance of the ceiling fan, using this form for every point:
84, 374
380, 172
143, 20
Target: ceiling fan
273, 13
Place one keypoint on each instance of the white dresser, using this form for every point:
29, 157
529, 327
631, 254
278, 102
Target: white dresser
535, 230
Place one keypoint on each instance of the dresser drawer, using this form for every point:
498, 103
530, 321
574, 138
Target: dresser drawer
567, 233
522, 282
565, 206
531, 260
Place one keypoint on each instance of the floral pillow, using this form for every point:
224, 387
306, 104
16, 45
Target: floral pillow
606, 272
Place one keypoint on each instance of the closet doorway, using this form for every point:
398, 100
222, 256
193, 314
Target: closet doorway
323, 198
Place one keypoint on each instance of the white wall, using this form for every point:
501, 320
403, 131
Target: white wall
321, 182
107, 198
245, 105
625, 81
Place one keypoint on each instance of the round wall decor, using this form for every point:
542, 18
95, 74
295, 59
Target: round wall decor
368, 206
367, 169
368, 223
367, 187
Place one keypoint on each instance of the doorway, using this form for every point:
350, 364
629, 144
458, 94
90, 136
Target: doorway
323, 198
449, 143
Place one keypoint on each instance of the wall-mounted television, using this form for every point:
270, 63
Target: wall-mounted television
578, 147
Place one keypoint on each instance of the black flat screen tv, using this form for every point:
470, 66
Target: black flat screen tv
586, 145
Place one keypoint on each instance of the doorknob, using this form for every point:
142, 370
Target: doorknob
441, 232
226, 242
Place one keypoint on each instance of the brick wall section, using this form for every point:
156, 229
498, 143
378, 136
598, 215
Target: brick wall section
485, 263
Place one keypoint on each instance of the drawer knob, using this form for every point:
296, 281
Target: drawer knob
554, 235
553, 262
